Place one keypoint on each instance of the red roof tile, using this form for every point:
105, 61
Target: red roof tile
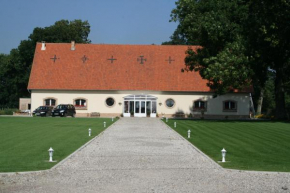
70, 72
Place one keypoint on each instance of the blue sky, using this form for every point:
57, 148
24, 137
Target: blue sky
112, 21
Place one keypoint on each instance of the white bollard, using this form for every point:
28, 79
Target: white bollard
188, 134
104, 124
112, 119
174, 124
166, 119
50, 152
90, 132
224, 155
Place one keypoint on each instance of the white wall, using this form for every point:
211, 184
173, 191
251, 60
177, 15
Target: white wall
183, 101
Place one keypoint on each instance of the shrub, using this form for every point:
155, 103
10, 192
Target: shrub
7, 111
263, 116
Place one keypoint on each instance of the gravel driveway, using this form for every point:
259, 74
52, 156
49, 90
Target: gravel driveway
142, 155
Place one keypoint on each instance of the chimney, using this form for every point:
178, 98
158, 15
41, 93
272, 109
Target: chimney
73, 47
43, 45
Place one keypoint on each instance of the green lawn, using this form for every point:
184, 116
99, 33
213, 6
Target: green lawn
250, 145
24, 142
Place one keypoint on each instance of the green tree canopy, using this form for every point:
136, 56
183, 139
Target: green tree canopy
268, 29
215, 25
15, 67
240, 40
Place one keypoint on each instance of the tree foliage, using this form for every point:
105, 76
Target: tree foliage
240, 41
216, 26
15, 67
176, 39
269, 43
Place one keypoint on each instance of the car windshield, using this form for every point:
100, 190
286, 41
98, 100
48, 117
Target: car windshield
41, 108
61, 107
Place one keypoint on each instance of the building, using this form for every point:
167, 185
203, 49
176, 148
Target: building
24, 104
128, 80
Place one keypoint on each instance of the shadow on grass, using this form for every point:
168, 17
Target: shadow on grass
231, 120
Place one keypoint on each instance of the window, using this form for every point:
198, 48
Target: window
199, 105
230, 106
110, 102
169, 103
80, 104
49, 102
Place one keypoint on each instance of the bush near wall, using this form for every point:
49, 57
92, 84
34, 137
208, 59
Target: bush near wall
8, 111
263, 116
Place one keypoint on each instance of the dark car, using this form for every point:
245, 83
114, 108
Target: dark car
43, 111
64, 110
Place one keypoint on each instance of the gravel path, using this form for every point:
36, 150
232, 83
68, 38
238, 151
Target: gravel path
142, 155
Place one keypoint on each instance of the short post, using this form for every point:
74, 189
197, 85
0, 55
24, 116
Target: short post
188, 134
90, 132
112, 119
50, 151
166, 119
174, 124
224, 155
104, 124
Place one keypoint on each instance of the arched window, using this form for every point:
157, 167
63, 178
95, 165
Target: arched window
230, 106
50, 102
80, 103
199, 105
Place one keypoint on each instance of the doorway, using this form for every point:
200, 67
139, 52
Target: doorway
140, 106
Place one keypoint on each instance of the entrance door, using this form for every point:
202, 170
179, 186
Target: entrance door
140, 106
140, 109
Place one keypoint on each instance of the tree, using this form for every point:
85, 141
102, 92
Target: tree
4, 84
269, 42
216, 26
11, 76
15, 68
240, 40
176, 39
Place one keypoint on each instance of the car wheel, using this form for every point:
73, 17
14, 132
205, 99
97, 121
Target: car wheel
64, 114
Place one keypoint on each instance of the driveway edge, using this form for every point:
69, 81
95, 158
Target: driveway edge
194, 147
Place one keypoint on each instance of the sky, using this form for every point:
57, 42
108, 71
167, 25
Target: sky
111, 21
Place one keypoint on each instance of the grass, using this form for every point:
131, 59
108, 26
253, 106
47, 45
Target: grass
250, 145
24, 142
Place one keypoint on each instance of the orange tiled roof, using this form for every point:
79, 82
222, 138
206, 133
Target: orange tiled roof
88, 68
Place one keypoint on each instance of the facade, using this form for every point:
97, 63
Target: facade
24, 104
128, 80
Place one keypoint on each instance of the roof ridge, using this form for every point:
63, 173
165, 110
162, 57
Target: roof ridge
119, 44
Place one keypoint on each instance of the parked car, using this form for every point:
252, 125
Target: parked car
42, 111
64, 110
